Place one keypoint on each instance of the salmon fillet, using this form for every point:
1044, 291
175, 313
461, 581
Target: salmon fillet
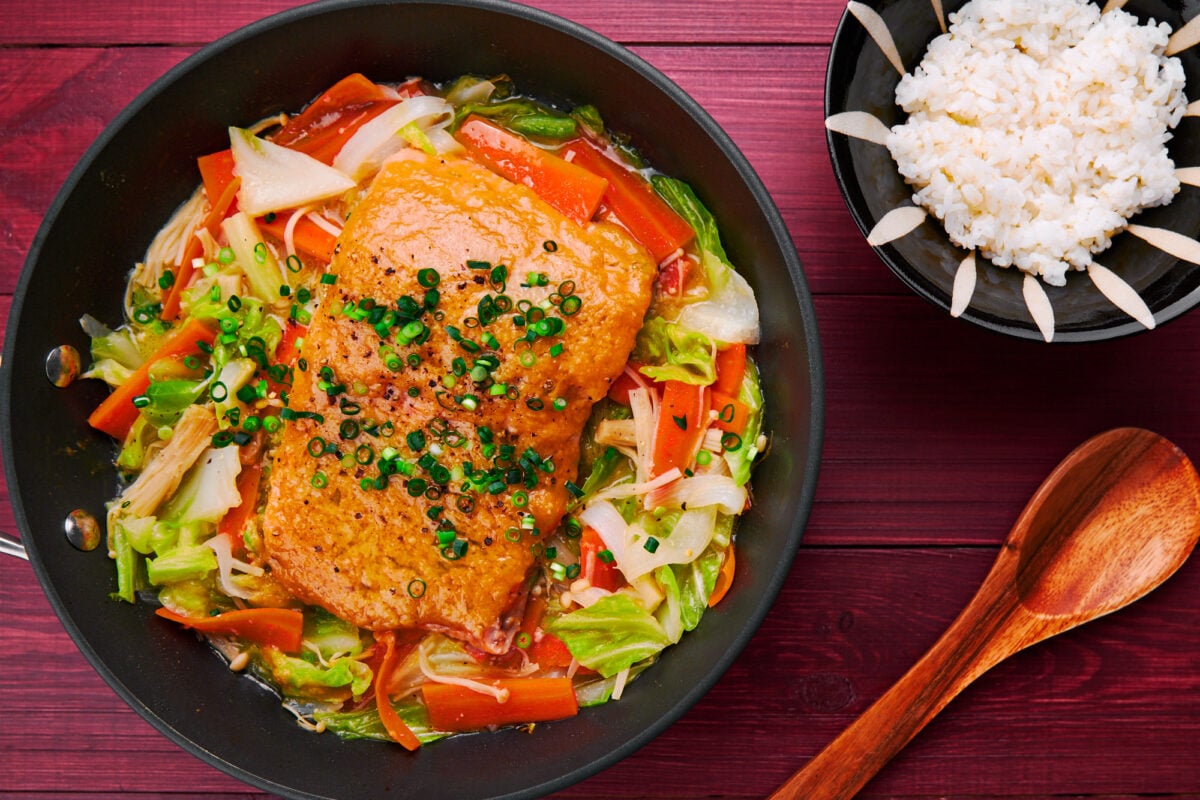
479, 462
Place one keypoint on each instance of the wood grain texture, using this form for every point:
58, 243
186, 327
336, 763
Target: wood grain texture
848, 623
936, 435
67, 22
1118, 516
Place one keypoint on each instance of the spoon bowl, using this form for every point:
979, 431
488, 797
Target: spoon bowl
1114, 520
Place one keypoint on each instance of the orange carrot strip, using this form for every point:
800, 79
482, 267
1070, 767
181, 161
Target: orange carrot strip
731, 368
117, 413
598, 572
396, 728
631, 198
682, 420
572, 190
234, 522
457, 708
544, 649
329, 121
724, 578
288, 349
732, 414
184, 269
269, 627
216, 171
307, 235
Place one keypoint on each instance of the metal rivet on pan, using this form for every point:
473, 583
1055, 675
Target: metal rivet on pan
82, 530
63, 365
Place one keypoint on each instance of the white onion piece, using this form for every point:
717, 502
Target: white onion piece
443, 142
275, 177
366, 150
706, 490
692, 533
225, 563
645, 417
478, 92
622, 490
730, 314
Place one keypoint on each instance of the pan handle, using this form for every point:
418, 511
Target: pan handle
12, 547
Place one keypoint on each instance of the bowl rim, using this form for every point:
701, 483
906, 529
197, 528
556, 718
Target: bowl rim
805, 490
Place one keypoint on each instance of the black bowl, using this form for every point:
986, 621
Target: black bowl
143, 166
860, 78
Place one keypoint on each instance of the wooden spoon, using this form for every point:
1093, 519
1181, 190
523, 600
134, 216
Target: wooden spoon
1114, 520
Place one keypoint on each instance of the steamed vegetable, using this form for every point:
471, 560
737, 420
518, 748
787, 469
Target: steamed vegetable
611, 635
457, 708
730, 313
276, 177
380, 138
651, 221
116, 414
280, 628
571, 189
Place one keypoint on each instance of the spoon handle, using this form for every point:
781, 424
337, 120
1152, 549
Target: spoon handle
970, 646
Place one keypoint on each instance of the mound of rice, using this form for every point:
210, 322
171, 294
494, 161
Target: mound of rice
1036, 128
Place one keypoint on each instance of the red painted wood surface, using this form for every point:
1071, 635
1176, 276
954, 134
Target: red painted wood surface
936, 434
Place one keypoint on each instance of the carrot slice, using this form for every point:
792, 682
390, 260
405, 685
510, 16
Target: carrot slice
731, 369
234, 522
216, 172
288, 349
724, 578
396, 728
329, 121
598, 572
682, 420
269, 627
634, 202
184, 269
732, 414
457, 708
572, 190
307, 235
117, 413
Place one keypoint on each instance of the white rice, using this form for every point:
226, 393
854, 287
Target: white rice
1038, 127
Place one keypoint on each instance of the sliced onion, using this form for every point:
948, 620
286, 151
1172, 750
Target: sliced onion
621, 490
730, 314
706, 490
642, 403
225, 564
692, 533
276, 177
371, 144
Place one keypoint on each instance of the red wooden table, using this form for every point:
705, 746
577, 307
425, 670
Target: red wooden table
936, 434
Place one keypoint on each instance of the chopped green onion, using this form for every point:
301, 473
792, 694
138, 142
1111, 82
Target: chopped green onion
651, 544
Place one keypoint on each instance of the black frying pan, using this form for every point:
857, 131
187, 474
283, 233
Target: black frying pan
143, 166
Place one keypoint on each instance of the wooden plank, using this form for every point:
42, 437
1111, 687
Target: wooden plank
847, 624
768, 99
69, 22
925, 412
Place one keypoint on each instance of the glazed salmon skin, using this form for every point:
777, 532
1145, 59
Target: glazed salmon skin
479, 462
